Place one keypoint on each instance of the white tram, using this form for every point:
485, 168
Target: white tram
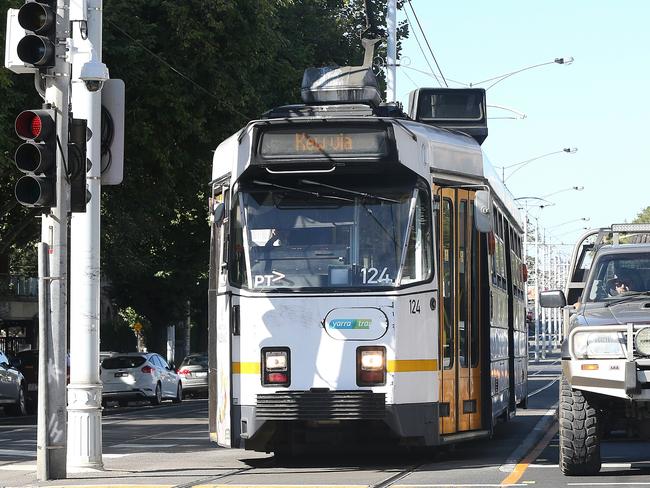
367, 281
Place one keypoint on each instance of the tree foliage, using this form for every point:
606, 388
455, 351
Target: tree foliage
195, 72
643, 217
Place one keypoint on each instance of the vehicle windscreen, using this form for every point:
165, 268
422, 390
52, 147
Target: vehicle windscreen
195, 361
619, 275
323, 232
122, 362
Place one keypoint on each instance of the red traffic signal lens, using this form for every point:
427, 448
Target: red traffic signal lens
34, 125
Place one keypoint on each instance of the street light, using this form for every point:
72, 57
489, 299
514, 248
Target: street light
521, 164
500, 78
576, 188
582, 219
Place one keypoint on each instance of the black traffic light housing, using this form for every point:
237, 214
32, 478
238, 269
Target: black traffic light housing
77, 165
36, 157
38, 46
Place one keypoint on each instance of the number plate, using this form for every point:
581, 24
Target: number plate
201, 374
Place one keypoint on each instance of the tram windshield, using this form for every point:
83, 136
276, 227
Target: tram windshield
330, 233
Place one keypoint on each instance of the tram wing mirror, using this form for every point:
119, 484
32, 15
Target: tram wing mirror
218, 213
483, 211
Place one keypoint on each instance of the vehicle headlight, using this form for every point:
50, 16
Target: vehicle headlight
642, 341
598, 345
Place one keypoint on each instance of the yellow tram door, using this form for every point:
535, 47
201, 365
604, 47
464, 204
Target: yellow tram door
460, 386
447, 294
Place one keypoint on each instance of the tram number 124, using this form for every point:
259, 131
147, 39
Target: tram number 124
414, 306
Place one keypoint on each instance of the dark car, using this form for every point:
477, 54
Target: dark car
193, 372
12, 388
27, 363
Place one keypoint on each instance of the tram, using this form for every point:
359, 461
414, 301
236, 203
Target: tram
366, 279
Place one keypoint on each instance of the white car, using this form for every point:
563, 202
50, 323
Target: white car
139, 376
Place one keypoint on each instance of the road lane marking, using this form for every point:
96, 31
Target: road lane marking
543, 387
143, 446
611, 483
520, 469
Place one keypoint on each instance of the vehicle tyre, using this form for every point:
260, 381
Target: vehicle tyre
579, 433
157, 397
20, 407
179, 394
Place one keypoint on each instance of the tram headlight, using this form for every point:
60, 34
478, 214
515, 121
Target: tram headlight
275, 367
371, 365
593, 345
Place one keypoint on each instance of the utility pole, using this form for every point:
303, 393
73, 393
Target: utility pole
85, 389
51, 430
391, 60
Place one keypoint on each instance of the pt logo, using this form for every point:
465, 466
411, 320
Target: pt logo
266, 280
350, 324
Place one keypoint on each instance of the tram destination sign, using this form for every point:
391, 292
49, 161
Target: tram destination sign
324, 143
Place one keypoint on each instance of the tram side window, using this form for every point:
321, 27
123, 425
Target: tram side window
475, 319
418, 262
448, 284
494, 251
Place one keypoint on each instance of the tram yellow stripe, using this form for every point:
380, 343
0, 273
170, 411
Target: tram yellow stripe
411, 365
245, 368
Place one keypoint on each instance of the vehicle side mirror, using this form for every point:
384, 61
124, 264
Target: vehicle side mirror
218, 213
483, 211
552, 299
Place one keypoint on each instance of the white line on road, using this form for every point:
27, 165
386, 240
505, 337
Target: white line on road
530, 440
141, 446
18, 467
538, 390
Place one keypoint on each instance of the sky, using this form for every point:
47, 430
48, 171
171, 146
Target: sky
598, 104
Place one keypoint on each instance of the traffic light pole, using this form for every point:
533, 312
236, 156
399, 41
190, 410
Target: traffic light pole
85, 389
51, 435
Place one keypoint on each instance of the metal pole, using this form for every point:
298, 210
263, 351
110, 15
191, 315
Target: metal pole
188, 332
85, 389
544, 314
50, 459
391, 61
42, 461
537, 289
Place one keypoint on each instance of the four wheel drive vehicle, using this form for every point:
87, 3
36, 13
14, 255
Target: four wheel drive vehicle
193, 372
605, 385
139, 376
12, 388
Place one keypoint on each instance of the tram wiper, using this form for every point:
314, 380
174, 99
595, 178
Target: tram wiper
352, 192
299, 190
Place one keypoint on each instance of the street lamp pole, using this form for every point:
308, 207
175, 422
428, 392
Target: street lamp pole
564, 60
521, 164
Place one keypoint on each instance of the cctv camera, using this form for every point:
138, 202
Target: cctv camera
94, 73
93, 85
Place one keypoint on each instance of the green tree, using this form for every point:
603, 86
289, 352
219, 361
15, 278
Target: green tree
643, 217
195, 72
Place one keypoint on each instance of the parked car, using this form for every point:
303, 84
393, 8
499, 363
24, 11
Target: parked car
12, 388
27, 363
139, 376
193, 372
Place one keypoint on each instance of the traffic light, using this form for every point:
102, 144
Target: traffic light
78, 166
39, 20
36, 157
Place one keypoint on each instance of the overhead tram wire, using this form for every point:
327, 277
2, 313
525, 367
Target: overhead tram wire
433, 73
179, 73
427, 41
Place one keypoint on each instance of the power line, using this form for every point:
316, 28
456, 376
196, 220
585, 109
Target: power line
422, 50
427, 41
182, 75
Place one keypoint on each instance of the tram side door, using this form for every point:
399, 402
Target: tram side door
448, 322
460, 390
